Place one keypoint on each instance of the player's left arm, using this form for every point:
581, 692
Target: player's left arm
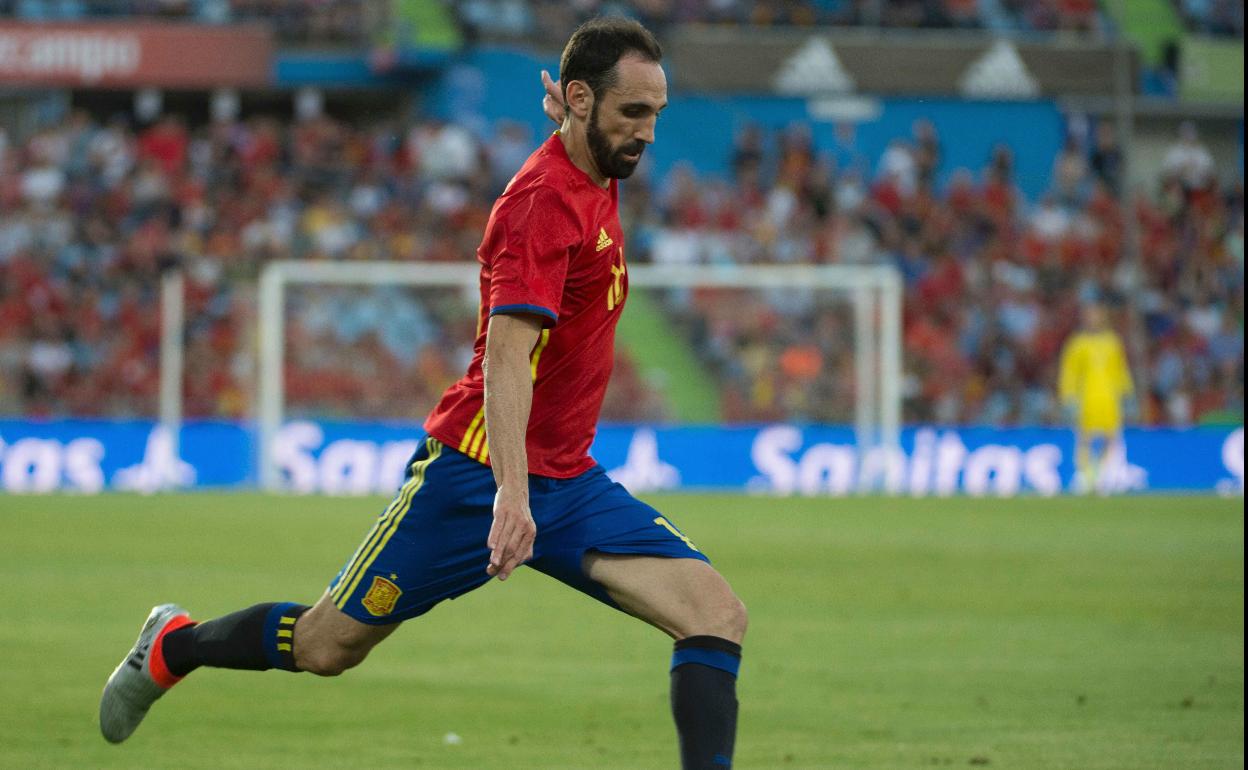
552, 103
508, 399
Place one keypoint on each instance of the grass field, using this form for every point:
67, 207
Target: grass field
884, 634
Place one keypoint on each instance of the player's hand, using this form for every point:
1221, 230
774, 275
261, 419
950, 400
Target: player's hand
552, 102
512, 535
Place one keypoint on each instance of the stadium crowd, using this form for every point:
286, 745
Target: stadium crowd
993, 282
1213, 17
90, 213
322, 22
355, 22
545, 18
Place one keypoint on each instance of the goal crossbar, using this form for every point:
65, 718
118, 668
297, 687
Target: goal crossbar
875, 291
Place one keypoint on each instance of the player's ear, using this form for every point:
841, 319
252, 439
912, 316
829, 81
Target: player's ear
580, 99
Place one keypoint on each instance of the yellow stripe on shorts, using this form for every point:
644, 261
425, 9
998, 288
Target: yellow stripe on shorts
392, 525
409, 488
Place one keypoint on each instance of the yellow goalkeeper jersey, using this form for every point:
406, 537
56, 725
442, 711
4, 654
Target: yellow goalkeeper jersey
1095, 378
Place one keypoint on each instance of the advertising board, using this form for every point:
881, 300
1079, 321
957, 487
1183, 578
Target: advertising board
129, 55
350, 458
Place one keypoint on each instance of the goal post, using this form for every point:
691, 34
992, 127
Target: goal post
172, 348
875, 293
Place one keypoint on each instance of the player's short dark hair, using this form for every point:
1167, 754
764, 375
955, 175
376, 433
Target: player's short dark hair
597, 45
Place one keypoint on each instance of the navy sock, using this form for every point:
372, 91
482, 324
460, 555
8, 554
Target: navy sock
704, 700
256, 639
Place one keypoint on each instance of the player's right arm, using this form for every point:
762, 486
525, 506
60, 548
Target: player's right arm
509, 340
526, 250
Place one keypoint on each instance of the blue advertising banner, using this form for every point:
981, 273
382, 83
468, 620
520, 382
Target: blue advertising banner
355, 458
124, 455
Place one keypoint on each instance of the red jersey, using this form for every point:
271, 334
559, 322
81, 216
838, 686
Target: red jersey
553, 248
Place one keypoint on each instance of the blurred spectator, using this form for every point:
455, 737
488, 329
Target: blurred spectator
1188, 160
1106, 157
926, 151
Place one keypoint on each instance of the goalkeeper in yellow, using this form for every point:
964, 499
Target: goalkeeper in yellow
1094, 384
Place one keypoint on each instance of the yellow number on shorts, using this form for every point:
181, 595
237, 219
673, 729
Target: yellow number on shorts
665, 524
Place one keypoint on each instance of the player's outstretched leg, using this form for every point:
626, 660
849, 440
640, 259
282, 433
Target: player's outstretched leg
690, 601
171, 645
259, 638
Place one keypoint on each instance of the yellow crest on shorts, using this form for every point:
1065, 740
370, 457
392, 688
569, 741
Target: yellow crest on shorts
381, 597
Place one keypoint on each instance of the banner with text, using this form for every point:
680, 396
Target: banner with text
130, 55
350, 458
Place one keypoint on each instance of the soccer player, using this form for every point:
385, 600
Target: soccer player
503, 476
1094, 381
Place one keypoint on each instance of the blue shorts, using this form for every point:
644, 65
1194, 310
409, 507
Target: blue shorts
429, 543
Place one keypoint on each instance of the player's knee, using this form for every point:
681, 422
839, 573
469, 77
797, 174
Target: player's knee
723, 616
736, 619
328, 660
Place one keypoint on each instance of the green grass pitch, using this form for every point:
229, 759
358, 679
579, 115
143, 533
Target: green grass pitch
884, 633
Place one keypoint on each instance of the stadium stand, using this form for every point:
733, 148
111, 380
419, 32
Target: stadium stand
355, 21
544, 18
1213, 17
94, 211
341, 22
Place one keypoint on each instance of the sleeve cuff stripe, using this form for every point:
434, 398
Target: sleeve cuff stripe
535, 309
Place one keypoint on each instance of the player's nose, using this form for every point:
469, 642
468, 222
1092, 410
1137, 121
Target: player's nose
645, 132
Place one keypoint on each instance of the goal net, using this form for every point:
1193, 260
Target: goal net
705, 344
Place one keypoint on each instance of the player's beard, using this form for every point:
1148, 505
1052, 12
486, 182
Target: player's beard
610, 160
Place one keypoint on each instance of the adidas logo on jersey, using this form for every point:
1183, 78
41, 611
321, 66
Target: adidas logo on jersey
604, 240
